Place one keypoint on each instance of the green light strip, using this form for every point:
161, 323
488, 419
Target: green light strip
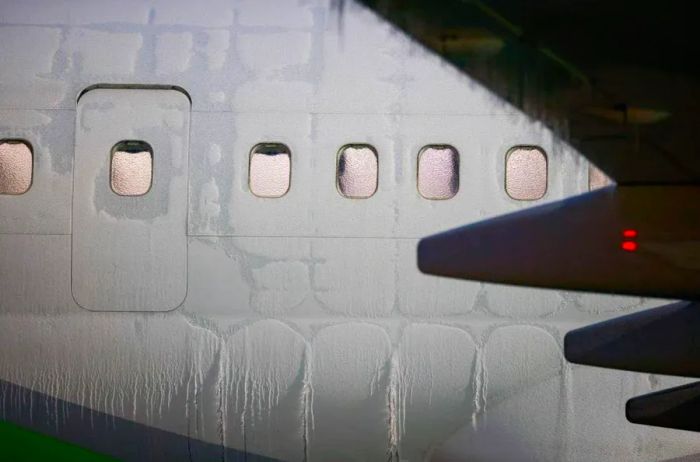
21, 445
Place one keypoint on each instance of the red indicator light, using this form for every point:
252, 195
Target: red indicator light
629, 233
629, 246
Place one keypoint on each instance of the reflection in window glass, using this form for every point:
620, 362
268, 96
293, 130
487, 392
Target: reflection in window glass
357, 174
269, 170
597, 179
438, 172
526, 173
15, 167
131, 172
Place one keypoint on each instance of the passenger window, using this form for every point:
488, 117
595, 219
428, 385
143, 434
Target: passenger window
357, 171
526, 173
16, 166
438, 172
269, 171
597, 179
131, 168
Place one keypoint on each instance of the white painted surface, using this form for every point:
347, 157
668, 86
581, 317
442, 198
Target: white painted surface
306, 313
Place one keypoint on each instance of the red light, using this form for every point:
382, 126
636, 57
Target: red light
629, 233
629, 246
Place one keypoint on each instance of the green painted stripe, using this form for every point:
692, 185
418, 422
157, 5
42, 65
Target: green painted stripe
20, 445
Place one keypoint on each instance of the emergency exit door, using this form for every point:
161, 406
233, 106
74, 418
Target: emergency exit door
129, 243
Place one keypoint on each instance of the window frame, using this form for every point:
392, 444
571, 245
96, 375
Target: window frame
438, 146
254, 150
116, 149
528, 147
29, 146
340, 153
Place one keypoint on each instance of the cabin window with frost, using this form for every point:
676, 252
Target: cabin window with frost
16, 166
131, 170
357, 171
597, 179
269, 171
526, 173
438, 172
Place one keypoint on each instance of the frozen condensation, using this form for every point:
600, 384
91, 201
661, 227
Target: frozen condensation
597, 179
15, 167
357, 171
438, 172
131, 172
526, 173
270, 170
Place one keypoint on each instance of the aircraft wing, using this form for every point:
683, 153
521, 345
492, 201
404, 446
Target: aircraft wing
616, 80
